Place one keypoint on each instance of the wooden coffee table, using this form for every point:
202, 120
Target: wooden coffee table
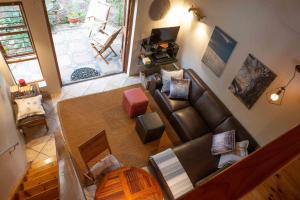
128, 183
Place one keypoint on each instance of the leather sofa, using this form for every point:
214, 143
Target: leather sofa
195, 121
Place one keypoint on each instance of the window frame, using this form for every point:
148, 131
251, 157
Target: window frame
22, 58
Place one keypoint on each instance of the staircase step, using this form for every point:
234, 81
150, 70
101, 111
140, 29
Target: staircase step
40, 180
41, 172
43, 162
50, 194
42, 187
41, 168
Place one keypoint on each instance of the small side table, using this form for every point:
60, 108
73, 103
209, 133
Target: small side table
128, 183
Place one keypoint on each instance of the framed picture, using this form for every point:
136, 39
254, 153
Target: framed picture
218, 51
251, 81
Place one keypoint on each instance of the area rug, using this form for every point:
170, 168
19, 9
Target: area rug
83, 117
84, 73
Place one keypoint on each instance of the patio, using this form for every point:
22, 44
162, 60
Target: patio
74, 51
71, 23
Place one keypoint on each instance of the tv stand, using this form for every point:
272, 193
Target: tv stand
160, 53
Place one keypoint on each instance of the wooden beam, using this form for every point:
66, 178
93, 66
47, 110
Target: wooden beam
242, 177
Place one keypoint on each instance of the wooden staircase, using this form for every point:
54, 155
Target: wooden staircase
40, 182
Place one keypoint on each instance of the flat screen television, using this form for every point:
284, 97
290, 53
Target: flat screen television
168, 34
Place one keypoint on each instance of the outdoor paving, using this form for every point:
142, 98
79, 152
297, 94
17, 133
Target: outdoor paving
74, 51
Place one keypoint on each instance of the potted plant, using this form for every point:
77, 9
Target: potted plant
73, 17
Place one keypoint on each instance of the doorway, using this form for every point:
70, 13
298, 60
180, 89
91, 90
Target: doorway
88, 37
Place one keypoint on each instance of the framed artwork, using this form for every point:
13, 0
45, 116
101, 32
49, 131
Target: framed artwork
218, 51
251, 81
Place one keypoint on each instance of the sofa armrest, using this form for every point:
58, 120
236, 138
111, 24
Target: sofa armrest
153, 85
160, 177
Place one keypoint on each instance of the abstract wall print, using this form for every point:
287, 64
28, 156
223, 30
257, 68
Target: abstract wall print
251, 81
218, 51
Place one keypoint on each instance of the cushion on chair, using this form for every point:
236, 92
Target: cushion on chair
105, 165
188, 124
29, 106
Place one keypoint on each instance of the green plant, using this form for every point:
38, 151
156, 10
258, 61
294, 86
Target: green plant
73, 11
73, 14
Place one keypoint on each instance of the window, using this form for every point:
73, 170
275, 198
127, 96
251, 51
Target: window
16, 45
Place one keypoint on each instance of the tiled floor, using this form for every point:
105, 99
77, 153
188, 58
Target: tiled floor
75, 39
40, 144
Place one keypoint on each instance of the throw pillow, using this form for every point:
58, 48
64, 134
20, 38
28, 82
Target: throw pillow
166, 78
29, 106
105, 165
239, 152
223, 142
179, 88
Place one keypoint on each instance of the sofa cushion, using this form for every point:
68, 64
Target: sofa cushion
168, 105
166, 78
240, 132
188, 124
223, 142
179, 88
211, 109
195, 157
197, 87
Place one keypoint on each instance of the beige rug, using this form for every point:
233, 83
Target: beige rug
84, 117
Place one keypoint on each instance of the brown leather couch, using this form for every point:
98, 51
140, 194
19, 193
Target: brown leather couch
195, 121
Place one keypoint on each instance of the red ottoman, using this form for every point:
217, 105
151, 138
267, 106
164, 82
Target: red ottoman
135, 102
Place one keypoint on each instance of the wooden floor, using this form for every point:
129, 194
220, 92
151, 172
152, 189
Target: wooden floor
283, 185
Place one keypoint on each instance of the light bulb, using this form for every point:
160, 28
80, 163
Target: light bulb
274, 97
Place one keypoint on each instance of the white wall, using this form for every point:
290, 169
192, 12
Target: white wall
37, 23
12, 166
270, 30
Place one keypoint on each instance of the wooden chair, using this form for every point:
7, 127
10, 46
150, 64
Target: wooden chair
92, 148
102, 46
98, 13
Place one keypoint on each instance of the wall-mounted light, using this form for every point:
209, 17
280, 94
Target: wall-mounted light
197, 12
275, 96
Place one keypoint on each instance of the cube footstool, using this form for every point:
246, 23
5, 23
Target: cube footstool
149, 127
135, 102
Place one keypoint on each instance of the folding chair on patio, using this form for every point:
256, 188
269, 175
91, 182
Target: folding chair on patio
98, 12
101, 43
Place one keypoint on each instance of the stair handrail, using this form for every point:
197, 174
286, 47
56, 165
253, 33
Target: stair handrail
10, 149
